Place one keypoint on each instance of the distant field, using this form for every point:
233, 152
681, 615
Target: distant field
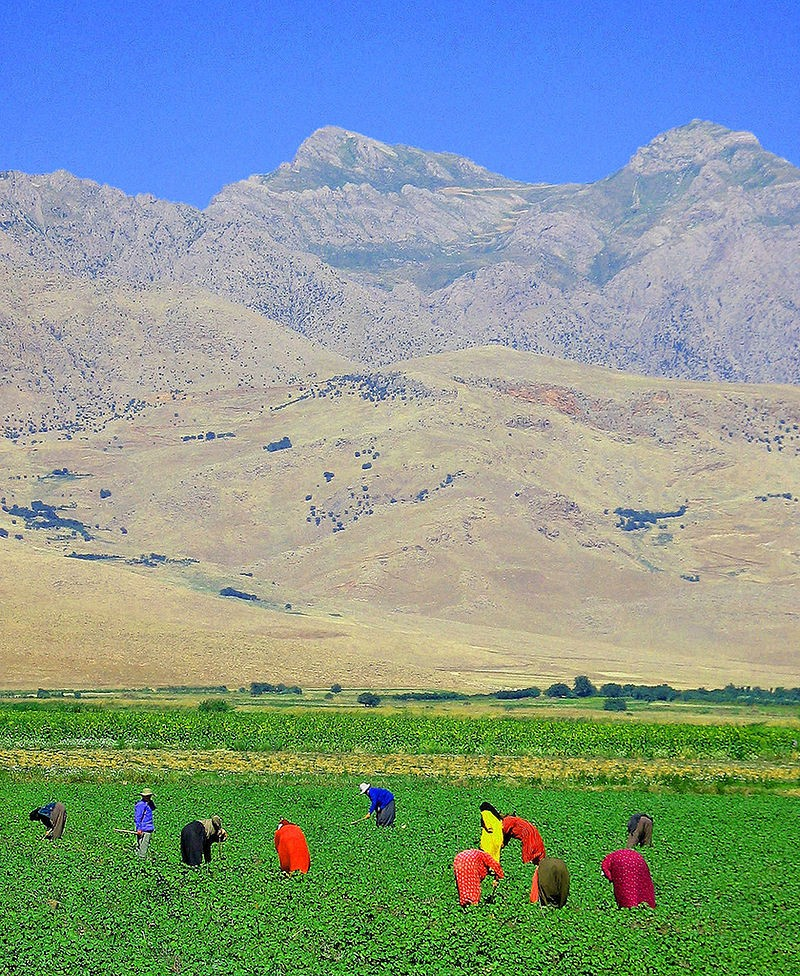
113, 742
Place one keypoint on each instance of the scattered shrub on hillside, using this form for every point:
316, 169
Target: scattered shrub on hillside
615, 705
368, 699
239, 594
282, 445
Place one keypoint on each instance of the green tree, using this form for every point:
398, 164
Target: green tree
583, 688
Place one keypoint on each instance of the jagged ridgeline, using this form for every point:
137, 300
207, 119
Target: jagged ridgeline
682, 264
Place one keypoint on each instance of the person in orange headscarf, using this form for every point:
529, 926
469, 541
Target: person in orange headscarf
292, 848
528, 835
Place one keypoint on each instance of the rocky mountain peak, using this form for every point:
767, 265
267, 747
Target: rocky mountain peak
333, 157
694, 144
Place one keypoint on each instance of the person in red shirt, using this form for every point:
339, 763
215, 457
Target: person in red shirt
627, 870
470, 868
290, 843
528, 835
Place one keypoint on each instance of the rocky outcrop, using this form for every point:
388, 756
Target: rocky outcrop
682, 264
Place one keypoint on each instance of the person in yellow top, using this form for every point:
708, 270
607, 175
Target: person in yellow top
491, 842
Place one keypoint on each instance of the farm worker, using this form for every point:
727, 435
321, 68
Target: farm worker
470, 868
382, 805
290, 843
492, 838
54, 816
529, 836
197, 838
640, 830
550, 882
143, 821
627, 870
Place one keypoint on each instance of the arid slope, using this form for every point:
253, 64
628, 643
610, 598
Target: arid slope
447, 522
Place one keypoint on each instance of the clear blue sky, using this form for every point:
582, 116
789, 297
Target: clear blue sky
180, 98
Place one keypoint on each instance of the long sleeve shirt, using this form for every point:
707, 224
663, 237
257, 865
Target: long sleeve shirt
143, 817
380, 798
627, 870
528, 835
470, 868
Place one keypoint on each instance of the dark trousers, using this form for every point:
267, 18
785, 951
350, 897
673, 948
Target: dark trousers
384, 816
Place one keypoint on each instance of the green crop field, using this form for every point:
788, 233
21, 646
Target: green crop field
723, 859
30, 724
725, 871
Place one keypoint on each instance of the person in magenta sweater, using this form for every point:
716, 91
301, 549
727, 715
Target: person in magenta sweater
628, 872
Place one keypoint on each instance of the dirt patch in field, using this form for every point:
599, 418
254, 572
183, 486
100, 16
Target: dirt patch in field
124, 764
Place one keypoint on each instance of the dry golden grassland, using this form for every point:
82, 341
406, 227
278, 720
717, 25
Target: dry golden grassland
511, 573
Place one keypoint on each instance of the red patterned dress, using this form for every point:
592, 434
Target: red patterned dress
470, 868
627, 870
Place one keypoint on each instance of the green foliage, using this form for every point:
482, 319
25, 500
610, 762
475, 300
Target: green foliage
32, 724
368, 699
615, 705
214, 705
384, 900
583, 688
516, 693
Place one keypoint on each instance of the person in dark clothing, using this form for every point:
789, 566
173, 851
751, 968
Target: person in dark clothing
640, 831
550, 882
197, 838
54, 816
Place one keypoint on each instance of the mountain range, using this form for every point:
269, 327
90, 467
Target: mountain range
384, 416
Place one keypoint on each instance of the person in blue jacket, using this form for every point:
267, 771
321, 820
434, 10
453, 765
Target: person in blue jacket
143, 821
382, 805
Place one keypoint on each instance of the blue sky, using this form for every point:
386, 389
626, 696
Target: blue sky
178, 99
